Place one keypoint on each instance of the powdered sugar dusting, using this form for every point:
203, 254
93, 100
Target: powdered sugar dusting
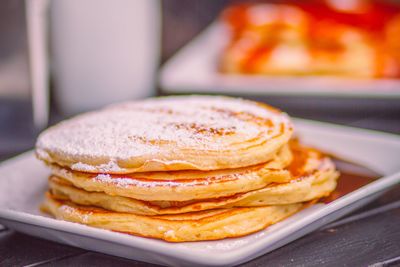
160, 125
70, 210
110, 166
170, 234
124, 182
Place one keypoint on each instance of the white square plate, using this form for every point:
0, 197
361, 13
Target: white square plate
23, 182
194, 69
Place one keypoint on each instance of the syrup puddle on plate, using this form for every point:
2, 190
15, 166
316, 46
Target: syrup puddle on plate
352, 177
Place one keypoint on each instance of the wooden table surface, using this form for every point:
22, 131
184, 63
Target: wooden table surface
369, 236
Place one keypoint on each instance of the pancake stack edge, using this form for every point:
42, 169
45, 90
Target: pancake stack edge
184, 168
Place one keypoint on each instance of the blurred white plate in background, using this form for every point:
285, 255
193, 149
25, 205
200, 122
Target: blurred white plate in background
194, 69
19, 205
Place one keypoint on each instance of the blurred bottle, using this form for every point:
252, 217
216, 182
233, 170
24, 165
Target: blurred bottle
103, 51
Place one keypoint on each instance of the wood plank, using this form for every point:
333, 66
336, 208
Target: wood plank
96, 259
19, 250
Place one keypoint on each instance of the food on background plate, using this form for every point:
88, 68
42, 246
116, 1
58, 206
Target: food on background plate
358, 39
185, 168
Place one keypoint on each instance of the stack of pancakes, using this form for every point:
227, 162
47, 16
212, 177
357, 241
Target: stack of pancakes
181, 168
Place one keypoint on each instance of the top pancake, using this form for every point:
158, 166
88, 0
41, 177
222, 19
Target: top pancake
169, 133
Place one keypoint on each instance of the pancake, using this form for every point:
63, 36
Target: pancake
196, 226
183, 185
313, 187
289, 193
313, 176
166, 134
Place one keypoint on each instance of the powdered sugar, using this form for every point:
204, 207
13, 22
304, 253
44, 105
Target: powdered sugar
84, 217
127, 181
163, 125
170, 234
110, 166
